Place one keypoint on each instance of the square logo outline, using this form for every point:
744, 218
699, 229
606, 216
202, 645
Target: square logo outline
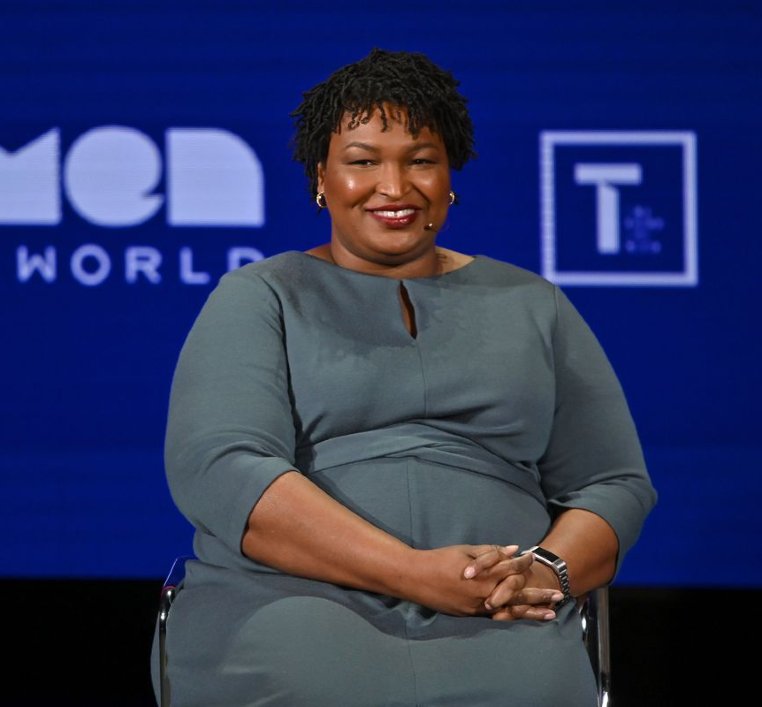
550, 139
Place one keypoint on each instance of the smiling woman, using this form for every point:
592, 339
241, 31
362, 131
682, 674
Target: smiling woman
377, 438
379, 159
383, 186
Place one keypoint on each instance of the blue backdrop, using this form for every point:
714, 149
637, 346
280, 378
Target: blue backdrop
145, 150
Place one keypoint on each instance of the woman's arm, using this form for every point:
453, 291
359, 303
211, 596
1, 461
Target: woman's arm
592, 471
299, 529
593, 461
587, 544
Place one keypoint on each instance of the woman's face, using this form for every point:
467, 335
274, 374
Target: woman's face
387, 193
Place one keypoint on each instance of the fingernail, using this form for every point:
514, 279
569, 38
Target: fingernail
487, 606
469, 572
510, 549
557, 596
549, 615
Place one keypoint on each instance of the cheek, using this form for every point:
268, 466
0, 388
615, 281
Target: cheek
438, 189
353, 185
436, 181
345, 188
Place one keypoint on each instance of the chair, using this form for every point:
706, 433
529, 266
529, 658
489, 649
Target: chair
594, 612
593, 609
172, 585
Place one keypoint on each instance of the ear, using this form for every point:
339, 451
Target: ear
320, 176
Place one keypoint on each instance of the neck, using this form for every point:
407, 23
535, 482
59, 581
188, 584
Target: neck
436, 262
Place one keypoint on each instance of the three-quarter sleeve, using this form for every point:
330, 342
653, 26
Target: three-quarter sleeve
230, 430
594, 459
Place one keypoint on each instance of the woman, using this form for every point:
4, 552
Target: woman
371, 438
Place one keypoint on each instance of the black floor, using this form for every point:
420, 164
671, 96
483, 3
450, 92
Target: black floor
87, 644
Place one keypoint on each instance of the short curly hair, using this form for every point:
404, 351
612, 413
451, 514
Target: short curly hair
406, 80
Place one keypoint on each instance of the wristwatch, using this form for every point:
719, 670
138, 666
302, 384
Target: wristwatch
558, 566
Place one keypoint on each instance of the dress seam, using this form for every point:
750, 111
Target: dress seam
412, 666
404, 622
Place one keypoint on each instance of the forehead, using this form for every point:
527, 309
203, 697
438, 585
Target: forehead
377, 130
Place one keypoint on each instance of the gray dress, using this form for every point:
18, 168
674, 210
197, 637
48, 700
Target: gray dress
501, 412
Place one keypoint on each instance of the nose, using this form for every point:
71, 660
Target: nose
393, 181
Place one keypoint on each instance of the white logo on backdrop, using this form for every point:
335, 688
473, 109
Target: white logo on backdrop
606, 178
110, 175
597, 242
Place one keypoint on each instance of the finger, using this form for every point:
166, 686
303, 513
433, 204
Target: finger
512, 592
503, 551
499, 561
516, 564
506, 590
524, 611
507, 567
486, 556
502, 615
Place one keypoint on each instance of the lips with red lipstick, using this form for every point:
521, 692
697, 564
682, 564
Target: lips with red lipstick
395, 216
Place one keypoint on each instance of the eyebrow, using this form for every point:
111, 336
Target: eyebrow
372, 148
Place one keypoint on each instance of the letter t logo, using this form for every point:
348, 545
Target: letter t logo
604, 176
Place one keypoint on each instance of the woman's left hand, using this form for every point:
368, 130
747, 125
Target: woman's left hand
518, 594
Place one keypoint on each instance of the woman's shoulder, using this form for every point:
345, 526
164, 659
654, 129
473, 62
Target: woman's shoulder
269, 266
501, 273
275, 271
259, 281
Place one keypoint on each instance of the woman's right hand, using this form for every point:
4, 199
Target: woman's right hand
458, 579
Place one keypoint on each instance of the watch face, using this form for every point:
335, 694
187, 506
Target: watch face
546, 554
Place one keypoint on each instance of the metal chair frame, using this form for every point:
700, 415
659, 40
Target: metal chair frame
594, 612
172, 585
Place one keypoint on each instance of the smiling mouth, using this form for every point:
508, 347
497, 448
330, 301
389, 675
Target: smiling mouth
395, 218
400, 213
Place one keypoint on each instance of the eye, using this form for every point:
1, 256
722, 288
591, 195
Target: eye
422, 161
362, 163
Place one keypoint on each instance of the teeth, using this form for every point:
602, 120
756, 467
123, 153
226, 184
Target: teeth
402, 213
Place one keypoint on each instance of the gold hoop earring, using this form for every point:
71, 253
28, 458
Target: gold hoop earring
320, 200
453, 198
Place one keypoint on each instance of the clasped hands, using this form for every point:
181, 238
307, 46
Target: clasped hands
488, 580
